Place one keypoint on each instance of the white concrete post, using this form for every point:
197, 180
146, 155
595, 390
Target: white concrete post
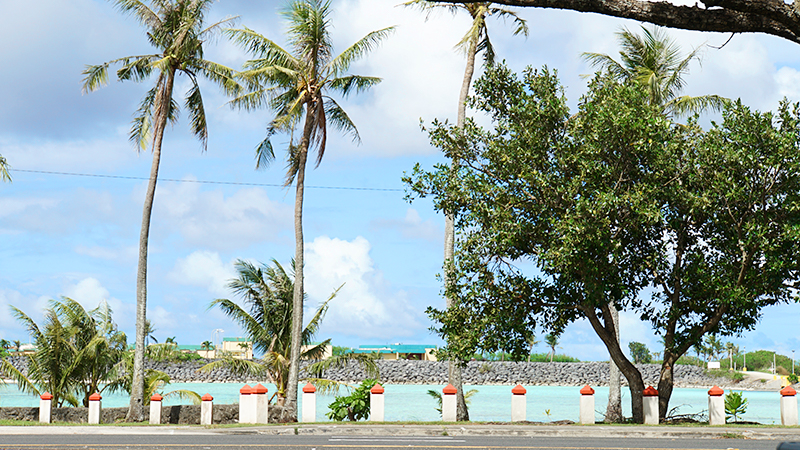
518, 404
207, 410
309, 403
261, 409
45, 407
95, 408
716, 406
449, 403
246, 406
650, 395
587, 406
788, 406
376, 405
155, 409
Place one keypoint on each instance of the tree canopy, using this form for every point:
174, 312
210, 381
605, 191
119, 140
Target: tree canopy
560, 214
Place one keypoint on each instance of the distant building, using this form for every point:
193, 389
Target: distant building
327, 351
400, 351
238, 347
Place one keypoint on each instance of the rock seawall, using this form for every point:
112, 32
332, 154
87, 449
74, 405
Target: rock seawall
476, 372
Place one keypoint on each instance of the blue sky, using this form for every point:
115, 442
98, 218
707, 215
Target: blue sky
77, 235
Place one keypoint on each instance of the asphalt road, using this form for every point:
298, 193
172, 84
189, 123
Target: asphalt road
213, 440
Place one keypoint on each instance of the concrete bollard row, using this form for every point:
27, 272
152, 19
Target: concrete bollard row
650, 403
716, 406
449, 403
95, 408
207, 410
246, 404
586, 413
309, 403
376, 404
155, 408
518, 404
788, 406
45, 407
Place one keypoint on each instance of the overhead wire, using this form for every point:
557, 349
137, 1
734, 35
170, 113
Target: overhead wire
231, 183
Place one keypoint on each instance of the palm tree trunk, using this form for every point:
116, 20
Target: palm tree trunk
290, 406
136, 408
454, 369
614, 408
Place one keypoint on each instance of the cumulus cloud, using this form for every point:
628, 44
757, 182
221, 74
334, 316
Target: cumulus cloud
213, 220
788, 80
204, 269
412, 226
367, 306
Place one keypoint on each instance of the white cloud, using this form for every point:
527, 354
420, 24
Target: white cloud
204, 269
788, 81
412, 226
367, 306
212, 219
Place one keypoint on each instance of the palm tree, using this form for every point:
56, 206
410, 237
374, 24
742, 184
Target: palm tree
654, 60
176, 29
476, 40
206, 345
17, 345
267, 293
551, 339
78, 352
296, 85
149, 331
4, 175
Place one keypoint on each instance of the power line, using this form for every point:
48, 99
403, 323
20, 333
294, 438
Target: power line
232, 183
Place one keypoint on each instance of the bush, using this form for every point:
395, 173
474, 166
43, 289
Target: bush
354, 406
639, 352
735, 405
793, 378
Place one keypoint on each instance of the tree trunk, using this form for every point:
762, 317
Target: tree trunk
454, 372
290, 407
614, 408
136, 407
665, 384
605, 330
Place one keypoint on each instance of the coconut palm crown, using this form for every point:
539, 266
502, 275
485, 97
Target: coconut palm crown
654, 60
177, 30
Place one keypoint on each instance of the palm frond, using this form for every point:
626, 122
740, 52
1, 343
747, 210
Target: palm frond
686, 105
365, 360
241, 367
184, 394
341, 63
142, 127
327, 386
8, 371
139, 10
4, 175
353, 83
340, 120
197, 113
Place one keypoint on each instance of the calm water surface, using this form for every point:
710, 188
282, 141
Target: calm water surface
491, 403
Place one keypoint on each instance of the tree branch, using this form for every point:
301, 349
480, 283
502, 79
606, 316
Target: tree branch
733, 16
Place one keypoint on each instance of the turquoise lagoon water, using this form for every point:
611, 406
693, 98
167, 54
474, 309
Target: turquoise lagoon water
491, 403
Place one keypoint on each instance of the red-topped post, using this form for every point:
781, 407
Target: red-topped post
650, 401
309, 403
261, 413
788, 406
449, 403
586, 413
376, 403
246, 405
716, 406
155, 408
518, 403
45, 407
207, 410
95, 408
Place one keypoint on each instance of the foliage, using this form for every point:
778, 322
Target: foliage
600, 202
551, 339
735, 405
724, 373
78, 352
654, 60
640, 353
438, 396
761, 361
352, 407
154, 381
265, 317
793, 378
4, 175
338, 350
